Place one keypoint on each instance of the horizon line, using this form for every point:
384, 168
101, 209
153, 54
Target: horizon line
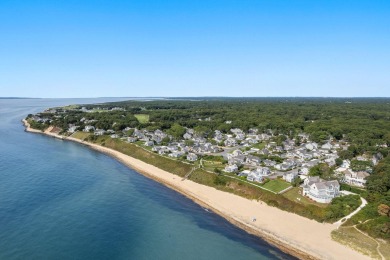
177, 97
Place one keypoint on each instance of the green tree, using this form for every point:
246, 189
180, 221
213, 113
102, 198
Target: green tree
177, 131
296, 181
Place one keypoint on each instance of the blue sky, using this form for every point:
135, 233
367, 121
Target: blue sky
194, 48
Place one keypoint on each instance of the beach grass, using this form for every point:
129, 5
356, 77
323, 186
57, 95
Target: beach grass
142, 118
276, 185
349, 236
384, 248
175, 167
203, 177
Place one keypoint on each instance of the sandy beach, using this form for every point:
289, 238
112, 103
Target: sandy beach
301, 237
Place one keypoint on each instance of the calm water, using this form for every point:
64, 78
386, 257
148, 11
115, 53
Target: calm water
60, 200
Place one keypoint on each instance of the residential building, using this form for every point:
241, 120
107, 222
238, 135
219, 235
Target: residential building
149, 143
290, 176
231, 168
355, 178
320, 190
89, 128
192, 157
255, 176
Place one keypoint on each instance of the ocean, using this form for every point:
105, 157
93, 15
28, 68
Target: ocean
61, 200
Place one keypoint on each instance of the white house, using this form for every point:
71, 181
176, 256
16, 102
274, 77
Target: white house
131, 139
231, 168
89, 128
187, 136
176, 154
244, 173
326, 146
264, 171
290, 176
253, 160
99, 132
149, 143
304, 171
269, 163
284, 166
255, 176
72, 129
355, 178
192, 157
346, 164
230, 142
320, 190
311, 146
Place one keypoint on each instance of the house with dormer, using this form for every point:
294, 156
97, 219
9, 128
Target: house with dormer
320, 190
355, 178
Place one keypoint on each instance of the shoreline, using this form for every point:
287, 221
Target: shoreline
293, 234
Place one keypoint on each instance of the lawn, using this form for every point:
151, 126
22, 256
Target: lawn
211, 165
80, 135
384, 248
295, 195
260, 145
142, 118
276, 185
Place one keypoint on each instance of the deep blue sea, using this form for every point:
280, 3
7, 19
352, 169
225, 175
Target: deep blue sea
61, 200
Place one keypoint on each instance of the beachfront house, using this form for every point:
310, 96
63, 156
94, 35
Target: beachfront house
255, 176
89, 128
231, 168
192, 157
131, 139
72, 129
320, 190
355, 178
149, 143
244, 173
99, 132
176, 154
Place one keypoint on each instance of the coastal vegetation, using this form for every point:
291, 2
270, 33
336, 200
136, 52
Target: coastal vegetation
361, 126
352, 237
312, 210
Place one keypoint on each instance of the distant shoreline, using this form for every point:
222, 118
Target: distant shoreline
18, 98
293, 234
